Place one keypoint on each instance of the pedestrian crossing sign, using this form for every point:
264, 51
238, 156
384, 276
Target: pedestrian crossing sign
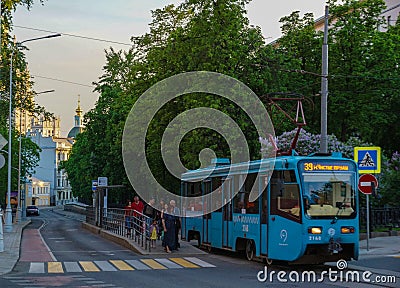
368, 159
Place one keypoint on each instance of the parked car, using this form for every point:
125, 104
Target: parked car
32, 210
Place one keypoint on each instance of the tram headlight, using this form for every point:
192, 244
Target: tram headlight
315, 230
347, 230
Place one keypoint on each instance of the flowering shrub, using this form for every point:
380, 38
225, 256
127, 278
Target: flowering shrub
309, 143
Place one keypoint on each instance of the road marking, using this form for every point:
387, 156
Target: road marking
105, 266
89, 266
121, 265
36, 268
54, 267
199, 262
167, 263
72, 267
118, 265
138, 265
153, 264
184, 263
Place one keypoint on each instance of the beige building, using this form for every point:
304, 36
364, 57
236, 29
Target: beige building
38, 192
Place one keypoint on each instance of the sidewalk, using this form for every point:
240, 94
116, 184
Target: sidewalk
379, 246
12, 243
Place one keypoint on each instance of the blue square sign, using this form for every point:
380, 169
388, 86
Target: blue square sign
368, 159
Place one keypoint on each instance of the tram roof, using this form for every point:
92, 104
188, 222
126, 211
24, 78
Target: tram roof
255, 166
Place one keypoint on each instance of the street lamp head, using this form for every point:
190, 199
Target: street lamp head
42, 37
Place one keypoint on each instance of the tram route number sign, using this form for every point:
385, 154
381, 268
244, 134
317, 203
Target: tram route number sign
366, 182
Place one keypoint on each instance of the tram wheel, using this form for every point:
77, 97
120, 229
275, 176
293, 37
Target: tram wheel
250, 250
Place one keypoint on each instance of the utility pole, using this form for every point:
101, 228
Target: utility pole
324, 88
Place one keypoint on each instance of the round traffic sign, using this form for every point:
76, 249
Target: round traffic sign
2, 161
365, 183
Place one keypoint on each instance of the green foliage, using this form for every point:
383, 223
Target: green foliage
197, 35
21, 98
215, 35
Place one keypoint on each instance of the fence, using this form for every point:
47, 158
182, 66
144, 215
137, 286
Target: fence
130, 224
380, 218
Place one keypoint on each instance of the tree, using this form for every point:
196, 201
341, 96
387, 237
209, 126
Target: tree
22, 97
194, 36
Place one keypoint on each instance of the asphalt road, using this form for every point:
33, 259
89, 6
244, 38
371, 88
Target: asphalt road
57, 252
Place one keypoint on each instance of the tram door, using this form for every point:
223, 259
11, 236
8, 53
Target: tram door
226, 213
207, 217
284, 219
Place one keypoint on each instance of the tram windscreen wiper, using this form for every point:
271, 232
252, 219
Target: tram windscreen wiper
341, 206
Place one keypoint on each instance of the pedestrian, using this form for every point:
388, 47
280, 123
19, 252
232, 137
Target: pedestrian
177, 221
137, 207
153, 233
128, 218
168, 221
150, 214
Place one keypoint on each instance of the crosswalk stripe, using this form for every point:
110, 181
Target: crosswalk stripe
118, 265
121, 265
199, 262
105, 266
36, 267
55, 267
153, 264
184, 263
72, 267
89, 266
138, 265
167, 263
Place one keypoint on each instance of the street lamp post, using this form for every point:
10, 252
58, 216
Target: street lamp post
8, 222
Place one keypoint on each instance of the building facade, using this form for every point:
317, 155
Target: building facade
55, 150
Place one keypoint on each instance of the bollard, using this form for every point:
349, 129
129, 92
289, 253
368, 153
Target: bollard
1, 231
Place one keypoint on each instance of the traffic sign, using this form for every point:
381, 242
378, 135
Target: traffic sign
102, 181
368, 159
365, 183
2, 161
94, 185
3, 143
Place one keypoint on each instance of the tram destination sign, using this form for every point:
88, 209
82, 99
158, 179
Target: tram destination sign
325, 166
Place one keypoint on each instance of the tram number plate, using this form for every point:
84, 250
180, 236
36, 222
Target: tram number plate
245, 228
317, 238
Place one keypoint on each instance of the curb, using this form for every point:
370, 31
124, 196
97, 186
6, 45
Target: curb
363, 236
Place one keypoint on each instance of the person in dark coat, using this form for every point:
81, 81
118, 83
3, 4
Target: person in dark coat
168, 221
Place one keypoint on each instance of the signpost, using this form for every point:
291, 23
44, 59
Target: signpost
368, 160
367, 184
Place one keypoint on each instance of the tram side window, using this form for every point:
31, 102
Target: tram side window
241, 201
193, 191
285, 194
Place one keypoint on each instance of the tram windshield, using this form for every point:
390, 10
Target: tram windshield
329, 194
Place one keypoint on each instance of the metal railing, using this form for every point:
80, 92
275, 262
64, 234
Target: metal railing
130, 224
380, 218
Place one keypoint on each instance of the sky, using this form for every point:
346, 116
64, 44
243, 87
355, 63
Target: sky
70, 65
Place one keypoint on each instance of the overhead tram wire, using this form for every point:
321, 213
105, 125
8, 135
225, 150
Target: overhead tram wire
64, 81
74, 35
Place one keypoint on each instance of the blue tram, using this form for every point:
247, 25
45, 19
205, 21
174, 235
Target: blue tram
302, 210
